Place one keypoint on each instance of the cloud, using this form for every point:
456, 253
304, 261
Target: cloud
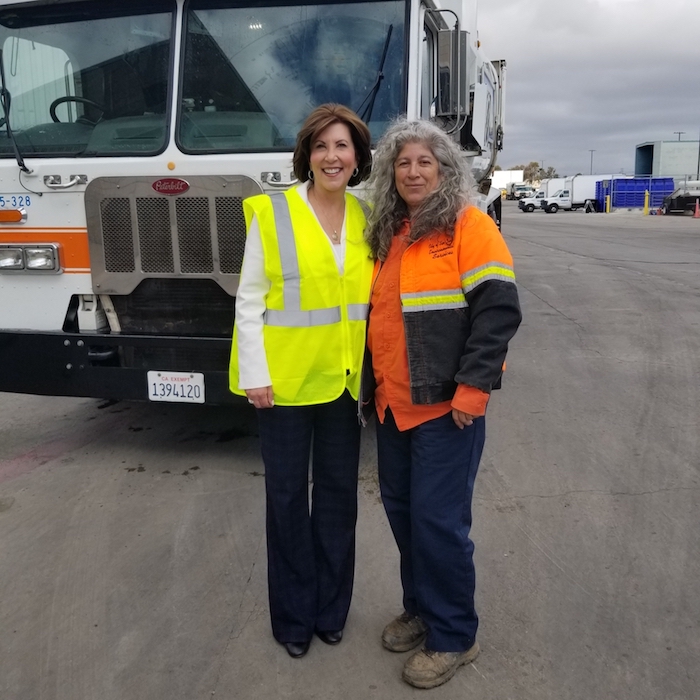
594, 74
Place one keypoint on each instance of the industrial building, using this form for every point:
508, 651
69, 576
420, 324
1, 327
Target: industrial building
677, 159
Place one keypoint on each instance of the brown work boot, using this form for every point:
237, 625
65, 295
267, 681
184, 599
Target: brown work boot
404, 633
428, 669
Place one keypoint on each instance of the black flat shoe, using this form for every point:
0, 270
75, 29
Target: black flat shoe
297, 649
331, 638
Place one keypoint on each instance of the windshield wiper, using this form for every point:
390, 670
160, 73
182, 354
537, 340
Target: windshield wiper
6, 101
366, 115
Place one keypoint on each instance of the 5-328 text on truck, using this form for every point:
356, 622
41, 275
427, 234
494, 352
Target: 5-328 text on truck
131, 132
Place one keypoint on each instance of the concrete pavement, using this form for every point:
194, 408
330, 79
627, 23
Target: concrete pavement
132, 535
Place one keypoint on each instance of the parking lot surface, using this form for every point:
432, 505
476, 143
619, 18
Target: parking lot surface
132, 534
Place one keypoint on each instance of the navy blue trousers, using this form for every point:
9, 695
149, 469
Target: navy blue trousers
310, 550
426, 476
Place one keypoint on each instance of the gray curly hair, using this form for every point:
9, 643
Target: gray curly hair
439, 210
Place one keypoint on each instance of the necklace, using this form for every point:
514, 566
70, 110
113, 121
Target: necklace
326, 222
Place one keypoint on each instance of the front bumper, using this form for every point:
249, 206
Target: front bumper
89, 365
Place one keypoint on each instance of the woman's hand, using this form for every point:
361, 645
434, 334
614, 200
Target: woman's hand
462, 419
261, 398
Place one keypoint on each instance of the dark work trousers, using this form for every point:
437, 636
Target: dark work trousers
310, 552
426, 476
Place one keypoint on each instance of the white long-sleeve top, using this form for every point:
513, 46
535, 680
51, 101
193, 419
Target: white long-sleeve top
254, 285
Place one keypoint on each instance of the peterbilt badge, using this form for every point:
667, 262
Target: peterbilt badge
170, 185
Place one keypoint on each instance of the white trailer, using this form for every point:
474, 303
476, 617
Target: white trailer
132, 130
502, 178
578, 192
552, 185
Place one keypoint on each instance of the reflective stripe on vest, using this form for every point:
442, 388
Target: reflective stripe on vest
434, 300
491, 271
292, 316
358, 312
288, 253
301, 319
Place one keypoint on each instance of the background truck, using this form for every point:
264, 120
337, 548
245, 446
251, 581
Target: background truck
132, 130
682, 199
578, 192
529, 204
547, 188
518, 190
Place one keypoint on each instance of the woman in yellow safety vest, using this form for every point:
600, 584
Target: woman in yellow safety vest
299, 338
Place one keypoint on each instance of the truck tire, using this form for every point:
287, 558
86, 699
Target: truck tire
552, 208
530, 208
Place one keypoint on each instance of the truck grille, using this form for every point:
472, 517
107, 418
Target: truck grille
137, 233
176, 307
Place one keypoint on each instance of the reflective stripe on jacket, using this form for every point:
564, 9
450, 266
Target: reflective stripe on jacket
315, 318
460, 308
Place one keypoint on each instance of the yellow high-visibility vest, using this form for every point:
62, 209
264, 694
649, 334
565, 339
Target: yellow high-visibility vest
315, 320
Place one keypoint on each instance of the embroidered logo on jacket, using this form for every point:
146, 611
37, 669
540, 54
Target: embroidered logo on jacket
441, 247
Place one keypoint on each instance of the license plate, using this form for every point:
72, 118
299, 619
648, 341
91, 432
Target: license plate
182, 387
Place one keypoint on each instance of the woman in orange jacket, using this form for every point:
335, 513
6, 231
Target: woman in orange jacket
444, 306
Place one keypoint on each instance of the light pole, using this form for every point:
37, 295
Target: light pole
679, 134
591, 151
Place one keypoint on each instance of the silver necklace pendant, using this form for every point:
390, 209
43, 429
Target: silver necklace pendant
333, 236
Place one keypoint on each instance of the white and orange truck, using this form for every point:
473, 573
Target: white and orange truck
132, 130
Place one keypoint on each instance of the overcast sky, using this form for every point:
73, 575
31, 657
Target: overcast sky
594, 74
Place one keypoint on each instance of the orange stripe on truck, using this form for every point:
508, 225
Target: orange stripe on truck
73, 249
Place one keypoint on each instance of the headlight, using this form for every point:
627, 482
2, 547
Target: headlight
40, 258
29, 258
11, 258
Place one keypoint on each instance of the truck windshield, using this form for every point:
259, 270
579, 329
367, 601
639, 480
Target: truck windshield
86, 78
252, 73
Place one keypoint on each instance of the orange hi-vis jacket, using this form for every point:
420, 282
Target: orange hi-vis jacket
460, 308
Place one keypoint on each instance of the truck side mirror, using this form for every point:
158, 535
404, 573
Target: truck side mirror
453, 91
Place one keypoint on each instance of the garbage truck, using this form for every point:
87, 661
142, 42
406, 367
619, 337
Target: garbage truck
131, 131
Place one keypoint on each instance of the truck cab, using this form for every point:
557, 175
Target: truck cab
131, 131
529, 204
561, 199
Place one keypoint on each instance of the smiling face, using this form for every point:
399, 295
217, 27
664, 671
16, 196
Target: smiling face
333, 158
416, 174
